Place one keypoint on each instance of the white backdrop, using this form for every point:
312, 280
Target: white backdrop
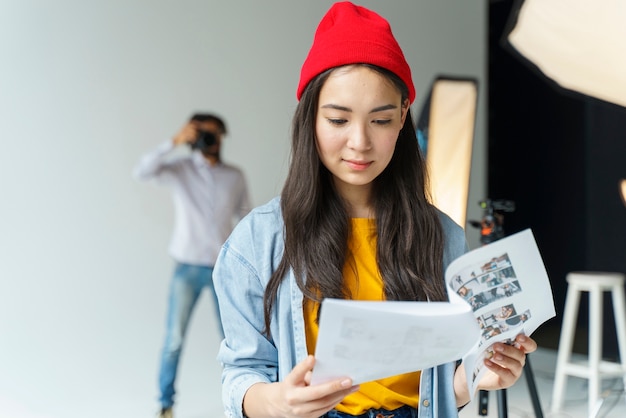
85, 89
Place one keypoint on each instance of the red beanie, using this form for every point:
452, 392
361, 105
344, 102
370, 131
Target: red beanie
350, 34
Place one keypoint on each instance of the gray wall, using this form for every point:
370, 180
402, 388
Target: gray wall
85, 89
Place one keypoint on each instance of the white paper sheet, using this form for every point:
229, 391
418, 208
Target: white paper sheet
371, 340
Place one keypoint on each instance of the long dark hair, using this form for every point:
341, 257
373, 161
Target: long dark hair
317, 224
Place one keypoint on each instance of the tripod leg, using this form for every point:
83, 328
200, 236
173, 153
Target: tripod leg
532, 388
503, 410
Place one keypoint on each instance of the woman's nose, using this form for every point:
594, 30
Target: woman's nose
359, 138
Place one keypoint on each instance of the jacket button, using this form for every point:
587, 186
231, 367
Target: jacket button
426, 403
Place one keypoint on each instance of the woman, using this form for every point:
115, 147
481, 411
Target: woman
353, 221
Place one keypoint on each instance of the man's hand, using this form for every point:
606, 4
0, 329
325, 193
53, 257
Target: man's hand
186, 135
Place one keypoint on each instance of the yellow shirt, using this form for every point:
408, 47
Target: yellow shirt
366, 284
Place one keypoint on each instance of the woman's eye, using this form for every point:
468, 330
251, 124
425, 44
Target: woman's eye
382, 121
336, 121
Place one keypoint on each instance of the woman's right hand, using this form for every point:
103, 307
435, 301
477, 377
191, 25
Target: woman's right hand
295, 397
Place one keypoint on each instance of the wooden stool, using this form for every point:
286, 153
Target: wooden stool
594, 368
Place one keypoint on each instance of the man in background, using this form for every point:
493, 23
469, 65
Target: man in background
209, 197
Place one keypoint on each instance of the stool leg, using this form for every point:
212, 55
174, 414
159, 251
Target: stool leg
595, 347
619, 309
566, 341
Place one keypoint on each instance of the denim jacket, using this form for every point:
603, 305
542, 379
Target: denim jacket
244, 266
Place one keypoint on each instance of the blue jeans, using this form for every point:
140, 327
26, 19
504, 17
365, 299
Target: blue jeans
186, 286
402, 412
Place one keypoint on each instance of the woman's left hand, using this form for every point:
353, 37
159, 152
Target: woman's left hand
507, 363
504, 368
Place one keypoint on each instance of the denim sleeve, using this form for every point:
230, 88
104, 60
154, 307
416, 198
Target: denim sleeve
247, 356
455, 240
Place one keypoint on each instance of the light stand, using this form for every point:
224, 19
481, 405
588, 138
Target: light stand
492, 229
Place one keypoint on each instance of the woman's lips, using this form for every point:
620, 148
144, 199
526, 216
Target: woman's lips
358, 165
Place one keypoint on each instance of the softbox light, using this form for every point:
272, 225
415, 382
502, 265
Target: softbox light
445, 131
579, 44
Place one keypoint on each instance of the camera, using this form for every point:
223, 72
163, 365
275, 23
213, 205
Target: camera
204, 140
491, 226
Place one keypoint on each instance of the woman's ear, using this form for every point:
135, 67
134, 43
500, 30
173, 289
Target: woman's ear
406, 105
